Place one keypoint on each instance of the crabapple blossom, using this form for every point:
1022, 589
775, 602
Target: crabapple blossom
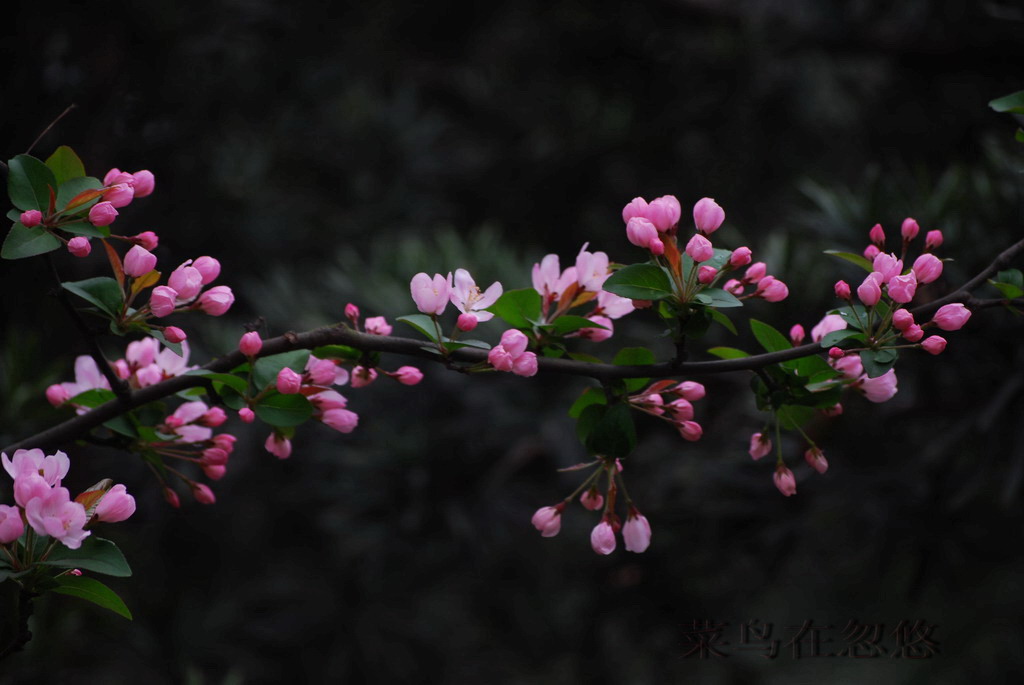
288, 382
341, 420
733, 286
934, 344
816, 458
951, 317
115, 505
706, 274
11, 525
147, 239
902, 319
250, 344
636, 533
880, 389
836, 352
877, 235
279, 446
760, 445
172, 497
102, 214
217, 300
246, 415
637, 207
664, 212
591, 269
548, 520
80, 246
143, 183
468, 299
870, 291
430, 294
525, 365
407, 375
828, 324
932, 240
186, 281
902, 288
690, 430
913, 332
214, 471
119, 195
691, 390
363, 376
842, 290
755, 272
927, 268
378, 325
139, 261
31, 218
699, 248
173, 334
707, 215
741, 256
208, 267
602, 331
602, 538
772, 289
640, 232
887, 265
56, 515
162, 300
591, 499
57, 395
784, 480
797, 334
909, 229
871, 251
203, 493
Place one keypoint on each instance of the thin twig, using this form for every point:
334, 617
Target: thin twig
52, 124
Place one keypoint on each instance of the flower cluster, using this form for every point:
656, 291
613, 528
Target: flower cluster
672, 401
511, 354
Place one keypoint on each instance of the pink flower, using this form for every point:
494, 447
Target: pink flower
246, 415
172, 498
664, 212
514, 341
213, 418
250, 344
604, 329
691, 390
57, 395
50, 467
680, 408
909, 229
887, 265
468, 299
699, 248
707, 216
913, 332
321, 371
951, 317
102, 214
902, 319
816, 458
733, 286
796, 334
288, 382
11, 525
591, 499
740, 257
215, 456
341, 420
208, 267
59, 517
870, 291
706, 274
378, 325
162, 300
785, 481
760, 445
871, 251
902, 288
548, 520
755, 272
636, 534
279, 446
612, 306
591, 269
363, 376
408, 375
932, 240
31, 218
500, 359
880, 389
602, 538
214, 471
143, 183
690, 430
430, 294
187, 281
119, 195
79, 246
217, 300
640, 232
203, 493
877, 235
828, 324
836, 353
139, 261
772, 289
116, 505
934, 344
842, 290
525, 365
115, 176
637, 207
173, 334
927, 268
146, 239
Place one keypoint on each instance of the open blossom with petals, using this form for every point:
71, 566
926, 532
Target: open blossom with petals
217, 300
548, 520
760, 445
549, 280
707, 215
828, 324
591, 269
468, 299
613, 306
636, 533
87, 377
602, 538
11, 525
951, 317
816, 458
430, 294
377, 325
56, 515
785, 481
880, 389
50, 467
602, 331
116, 505
280, 447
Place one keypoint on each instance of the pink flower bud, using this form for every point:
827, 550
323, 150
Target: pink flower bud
363, 376
217, 300
602, 538
341, 420
278, 446
755, 272
57, 395
514, 341
902, 288
121, 369
760, 445
203, 493
796, 334
186, 281
591, 499
741, 256
913, 332
887, 265
250, 344
208, 268
902, 319
932, 240
870, 291
699, 248
636, 534
934, 344
871, 251
146, 239
927, 268
680, 408
408, 375
636, 207
225, 441
835, 410
706, 274
707, 216
664, 212
910, 229
79, 246
214, 471
877, 235
352, 312
11, 524
836, 353
102, 214
772, 289
115, 176
174, 334
640, 231
816, 458
119, 195
139, 261
431, 295
378, 325
690, 430
172, 497
214, 455
951, 317
842, 289
162, 300
31, 218
525, 365
656, 246
733, 286
500, 359
143, 182
785, 481
288, 382
691, 390
116, 505
246, 415
213, 418
466, 322
548, 520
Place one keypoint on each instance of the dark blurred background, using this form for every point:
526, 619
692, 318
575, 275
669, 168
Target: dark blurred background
325, 152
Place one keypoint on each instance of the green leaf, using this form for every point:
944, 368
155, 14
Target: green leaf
630, 356
24, 242
770, 339
284, 410
174, 347
29, 182
728, 353
65, 164
588, 397
518, 308
93, 591
853, 316
241, 385
93, 398
1008, 291
640, 282
101, 291
792, 417
337, 352
878, 362
588, 419
1019, 135
1013, 103
71, 188
95, 554
721, 318
422, 323
85, 228
857, 259
584, 357
122, 425
614, 434
835, 337
809, 367
716, 297
450, 344
570, 324
265, 370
